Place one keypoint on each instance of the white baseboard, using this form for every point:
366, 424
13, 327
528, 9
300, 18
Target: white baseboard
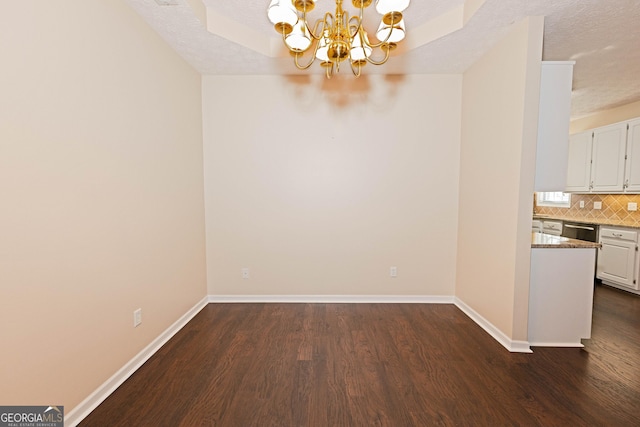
497, 334
511, 345
556, 344
77, 414
621, 287
335, 299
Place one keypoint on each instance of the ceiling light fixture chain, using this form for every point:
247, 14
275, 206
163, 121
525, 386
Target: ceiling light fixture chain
336, 37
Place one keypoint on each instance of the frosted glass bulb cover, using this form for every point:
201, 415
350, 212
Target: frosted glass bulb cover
323, 47
282, 11
397, 32
299, 40
358, 52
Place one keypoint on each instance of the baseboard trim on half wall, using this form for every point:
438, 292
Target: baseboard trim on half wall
556, 344
497, 334
333, 299
77, 414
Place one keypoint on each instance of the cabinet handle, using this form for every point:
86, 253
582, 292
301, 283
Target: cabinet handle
626, 183
581, 227
591, 185
616, 234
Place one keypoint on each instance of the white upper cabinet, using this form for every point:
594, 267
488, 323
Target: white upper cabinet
553, 125
632, 172
605, 159
608, 155
579, 162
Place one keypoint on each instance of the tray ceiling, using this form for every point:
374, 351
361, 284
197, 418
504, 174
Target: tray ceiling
443, 36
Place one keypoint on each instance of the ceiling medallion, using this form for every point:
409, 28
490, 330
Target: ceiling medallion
338, 37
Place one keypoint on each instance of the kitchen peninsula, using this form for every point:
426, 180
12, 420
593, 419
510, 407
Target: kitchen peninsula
560, 290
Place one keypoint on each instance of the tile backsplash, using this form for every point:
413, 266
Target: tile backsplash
614, 209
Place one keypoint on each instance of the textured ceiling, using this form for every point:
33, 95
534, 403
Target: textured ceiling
602, 36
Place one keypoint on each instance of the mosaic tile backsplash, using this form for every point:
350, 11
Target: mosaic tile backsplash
614, 209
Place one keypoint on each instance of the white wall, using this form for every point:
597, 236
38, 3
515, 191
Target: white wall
320, 186
101, 195
499, 129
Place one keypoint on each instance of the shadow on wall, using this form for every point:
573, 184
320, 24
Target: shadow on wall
344, 90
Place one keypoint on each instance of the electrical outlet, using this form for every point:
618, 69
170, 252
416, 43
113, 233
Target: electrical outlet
632, 206
581, 204
245, 273
393, 271
597, 205
137, 317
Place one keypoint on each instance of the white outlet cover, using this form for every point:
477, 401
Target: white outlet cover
632, 206
245, 273
597, 205
582, 203
137, 317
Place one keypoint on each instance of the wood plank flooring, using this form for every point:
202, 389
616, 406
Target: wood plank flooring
398, 365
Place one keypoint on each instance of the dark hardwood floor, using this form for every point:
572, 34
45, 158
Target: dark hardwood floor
379, 365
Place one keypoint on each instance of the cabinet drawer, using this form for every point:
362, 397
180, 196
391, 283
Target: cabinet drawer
619, 234
552, 227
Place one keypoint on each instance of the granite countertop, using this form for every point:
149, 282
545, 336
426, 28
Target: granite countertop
542, 240
597, 221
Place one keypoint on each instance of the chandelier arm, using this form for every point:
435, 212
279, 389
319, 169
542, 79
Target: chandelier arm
316, 25
357, 27
345, 18
386, 57
329, 71
359, 19
284, 33
307, 65
383, 42
329, 20
359, 69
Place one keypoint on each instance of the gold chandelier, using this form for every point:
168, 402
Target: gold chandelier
336, 38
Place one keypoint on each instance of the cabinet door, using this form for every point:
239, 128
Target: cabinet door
607, 161
632, 171
616, 261
579, 165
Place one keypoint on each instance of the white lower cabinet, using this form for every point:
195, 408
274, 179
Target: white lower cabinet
618, 257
